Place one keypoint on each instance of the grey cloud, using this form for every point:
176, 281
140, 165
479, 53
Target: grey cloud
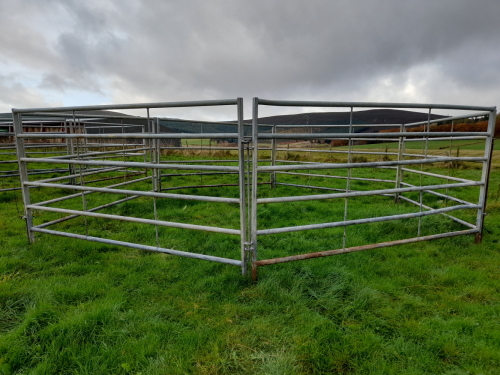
14, 94
342, 50
55, 82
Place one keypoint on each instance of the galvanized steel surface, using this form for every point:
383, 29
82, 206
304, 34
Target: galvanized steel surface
256, 154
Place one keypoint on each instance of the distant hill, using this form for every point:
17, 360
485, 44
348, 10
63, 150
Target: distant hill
366, 117
370, 116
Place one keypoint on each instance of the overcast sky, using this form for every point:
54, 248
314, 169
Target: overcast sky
80, 52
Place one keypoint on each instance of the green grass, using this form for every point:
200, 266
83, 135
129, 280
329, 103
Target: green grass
435, 145
75, 307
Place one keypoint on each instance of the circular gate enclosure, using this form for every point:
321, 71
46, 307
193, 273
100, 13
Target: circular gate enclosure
252, 192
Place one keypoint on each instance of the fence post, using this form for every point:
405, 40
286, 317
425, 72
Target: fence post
273, 157
23, 174
399, 172
158, 154
243, 191
485, 175
253, 201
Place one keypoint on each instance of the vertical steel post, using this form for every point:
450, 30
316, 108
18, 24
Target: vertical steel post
23, 174
123, 148
273, 157
201, 140
85, 142
485, 175
201, 146
248, 189
68, 150
399, 172
154, 172
449, 155
253, 200
425, 149
348, 181
158, 155
66, 140
123, 139
82, 182
143, 130
242, 187
73, 168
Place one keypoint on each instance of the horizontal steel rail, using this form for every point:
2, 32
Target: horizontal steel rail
10, 189
140, 247
162, 223
459, 221
202, 198
364, 221
334, 126
266, 262
327, 151
324, 188
132, 164
365, 164
123, 176
122, 152
128, 136
337, 177
8, 162
201, 103
452, 118
191, 148
441, 195
408, 135
107, 205
102, 126
445, 177
203, 161
105, 157
32, 172
302, 103
196, 174
88, 117
88, 172
358, 193
447, 138
60, 199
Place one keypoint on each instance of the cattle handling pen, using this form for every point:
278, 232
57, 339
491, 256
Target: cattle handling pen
55, 123
271, 188
9, 175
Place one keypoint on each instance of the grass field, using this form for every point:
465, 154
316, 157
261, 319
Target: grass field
71, 307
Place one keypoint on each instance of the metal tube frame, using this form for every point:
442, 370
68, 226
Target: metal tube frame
250, 165
78, 157
9, 148
400, 184
68, 124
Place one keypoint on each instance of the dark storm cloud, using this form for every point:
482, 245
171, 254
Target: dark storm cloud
344, 50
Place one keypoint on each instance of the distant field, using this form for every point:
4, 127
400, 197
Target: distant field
434, 145
441, 145
75, 307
